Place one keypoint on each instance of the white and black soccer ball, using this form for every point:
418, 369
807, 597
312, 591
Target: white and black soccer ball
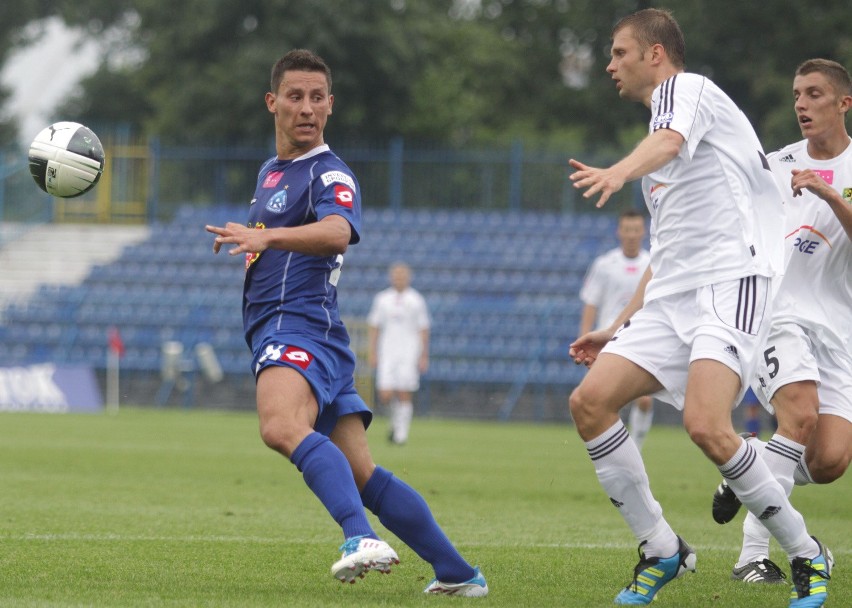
66, 159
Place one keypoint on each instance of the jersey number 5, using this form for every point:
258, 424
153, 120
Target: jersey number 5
771, 362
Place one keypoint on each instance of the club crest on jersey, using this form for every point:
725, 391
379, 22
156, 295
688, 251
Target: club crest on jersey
278, 202
847, 195
343, 196
272, 179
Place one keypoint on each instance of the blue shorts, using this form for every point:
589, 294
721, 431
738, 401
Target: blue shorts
329, 368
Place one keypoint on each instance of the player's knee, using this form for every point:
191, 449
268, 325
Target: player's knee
276, 436
586, 408
578, 405
705, 434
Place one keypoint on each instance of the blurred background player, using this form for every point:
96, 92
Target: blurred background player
806, 370
609, 285
399, 347
305, 212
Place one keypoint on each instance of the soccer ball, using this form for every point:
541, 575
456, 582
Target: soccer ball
66, 159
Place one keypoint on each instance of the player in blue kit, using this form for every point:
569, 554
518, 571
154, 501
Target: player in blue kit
305, 212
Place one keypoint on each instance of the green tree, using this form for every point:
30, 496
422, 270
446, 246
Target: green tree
457, 72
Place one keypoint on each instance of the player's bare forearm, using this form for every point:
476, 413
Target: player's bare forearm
813, 182
329, 236
652, 153
635, 303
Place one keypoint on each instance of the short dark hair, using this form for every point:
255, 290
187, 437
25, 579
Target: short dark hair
656, 26
836, 74
628, 213
302, 60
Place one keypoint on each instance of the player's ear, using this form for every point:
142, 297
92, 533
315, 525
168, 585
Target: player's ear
845, 103
330, 103
270, 102
658, 53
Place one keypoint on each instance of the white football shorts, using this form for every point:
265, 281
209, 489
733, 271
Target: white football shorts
397, 374
793, 354
726, 322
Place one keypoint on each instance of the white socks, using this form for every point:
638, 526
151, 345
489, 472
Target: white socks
401, 413
639, 423
755, 485
621, 472
781, 455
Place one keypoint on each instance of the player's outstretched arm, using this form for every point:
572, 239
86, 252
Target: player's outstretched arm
652, 153
329, 236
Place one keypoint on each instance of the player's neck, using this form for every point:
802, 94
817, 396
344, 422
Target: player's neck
830, 146
664, 73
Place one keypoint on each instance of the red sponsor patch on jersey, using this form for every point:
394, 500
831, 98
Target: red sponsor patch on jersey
297, 356
343, 196
272, 178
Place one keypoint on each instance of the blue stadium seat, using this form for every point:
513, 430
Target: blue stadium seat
501, 287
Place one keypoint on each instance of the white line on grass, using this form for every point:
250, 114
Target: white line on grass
301, 541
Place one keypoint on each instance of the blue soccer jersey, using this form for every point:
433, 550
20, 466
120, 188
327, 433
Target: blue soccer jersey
285, 288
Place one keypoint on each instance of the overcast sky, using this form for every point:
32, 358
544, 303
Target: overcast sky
40, 75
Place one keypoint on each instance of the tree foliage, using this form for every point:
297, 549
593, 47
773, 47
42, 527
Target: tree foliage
457, 72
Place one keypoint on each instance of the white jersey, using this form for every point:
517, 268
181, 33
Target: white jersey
610, 283
399, 317
716, 213
816, 291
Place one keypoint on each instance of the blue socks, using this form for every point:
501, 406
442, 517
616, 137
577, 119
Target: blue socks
327, 473
398, 506
404, 512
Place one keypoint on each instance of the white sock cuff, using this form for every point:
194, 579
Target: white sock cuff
608, 441
802, 475
785, 448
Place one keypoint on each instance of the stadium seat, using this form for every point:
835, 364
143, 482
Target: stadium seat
501, 287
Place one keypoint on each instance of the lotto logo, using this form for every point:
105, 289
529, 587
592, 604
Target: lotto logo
343, 196
298, 357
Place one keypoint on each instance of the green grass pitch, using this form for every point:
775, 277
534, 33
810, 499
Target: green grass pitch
156, 507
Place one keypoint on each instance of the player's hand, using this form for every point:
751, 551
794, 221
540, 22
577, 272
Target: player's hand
810, 180
595, 180
587, 347
247, 240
